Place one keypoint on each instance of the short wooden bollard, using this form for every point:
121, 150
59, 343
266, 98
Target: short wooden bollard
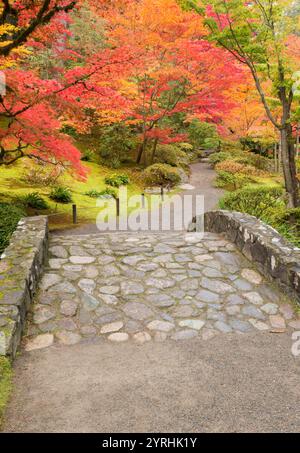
118, 207
74, 211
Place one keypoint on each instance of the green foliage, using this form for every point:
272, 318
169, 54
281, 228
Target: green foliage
88, 156
9, 218
254, 200
186, 147
203, 135
117, 180
286, 222
34, 200
69, 130
116, 142
216, 158
61, 194
232, 181
103, 193
267, 204
171, 155
5, 384
241, 157
254, 160
161, 175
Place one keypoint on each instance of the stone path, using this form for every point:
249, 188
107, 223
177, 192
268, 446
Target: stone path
123, 287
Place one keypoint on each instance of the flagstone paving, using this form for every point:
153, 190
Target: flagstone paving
151, 287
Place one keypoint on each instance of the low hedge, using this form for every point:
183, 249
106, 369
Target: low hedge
253, 200
267, 204
9, 218
161, 175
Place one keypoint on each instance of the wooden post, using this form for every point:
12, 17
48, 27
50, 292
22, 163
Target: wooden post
74, 210
162, 193
297, 141
143, 200
118, 207
275, 157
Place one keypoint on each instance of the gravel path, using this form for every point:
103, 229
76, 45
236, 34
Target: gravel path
201, 182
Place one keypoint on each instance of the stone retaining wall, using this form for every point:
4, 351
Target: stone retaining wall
21, 266
277, 259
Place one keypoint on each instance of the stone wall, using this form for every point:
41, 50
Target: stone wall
21, 266
274, 257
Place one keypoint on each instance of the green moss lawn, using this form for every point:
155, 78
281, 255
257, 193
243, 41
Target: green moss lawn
13, 184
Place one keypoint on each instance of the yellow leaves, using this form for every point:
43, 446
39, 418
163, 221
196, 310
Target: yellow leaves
107, 117
7, 29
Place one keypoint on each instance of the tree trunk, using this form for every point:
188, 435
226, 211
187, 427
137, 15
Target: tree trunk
153, 151
141, 151
289, 166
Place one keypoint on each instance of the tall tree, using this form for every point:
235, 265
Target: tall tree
19, 20
256, 34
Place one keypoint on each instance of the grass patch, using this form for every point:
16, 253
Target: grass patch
9, 218
13, 186
5, 385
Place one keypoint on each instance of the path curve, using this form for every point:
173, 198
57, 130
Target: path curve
202, 179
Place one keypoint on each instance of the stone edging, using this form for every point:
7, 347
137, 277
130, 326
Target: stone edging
274, 257
20, 269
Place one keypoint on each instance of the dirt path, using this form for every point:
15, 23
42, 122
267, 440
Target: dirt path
234, 383
202, 180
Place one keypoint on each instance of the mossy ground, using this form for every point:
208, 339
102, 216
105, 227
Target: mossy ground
5, 385
12, 184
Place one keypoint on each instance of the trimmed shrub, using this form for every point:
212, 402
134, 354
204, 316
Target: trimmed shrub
233, 166
215, 158
231, 181
34, 200
171, 155
61, 194
254, 200
117, 180
161, 175
104, 193
260, 162
9, 218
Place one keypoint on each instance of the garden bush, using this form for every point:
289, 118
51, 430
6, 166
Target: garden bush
259, 162
117, 180
61, 194
285, 221
42, 175
104, 193
233, 166
34, 200
171, 155
215, 158
9, 218
254, 200
161, 175
231, 181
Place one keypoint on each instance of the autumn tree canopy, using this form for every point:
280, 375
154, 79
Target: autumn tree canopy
153, 67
